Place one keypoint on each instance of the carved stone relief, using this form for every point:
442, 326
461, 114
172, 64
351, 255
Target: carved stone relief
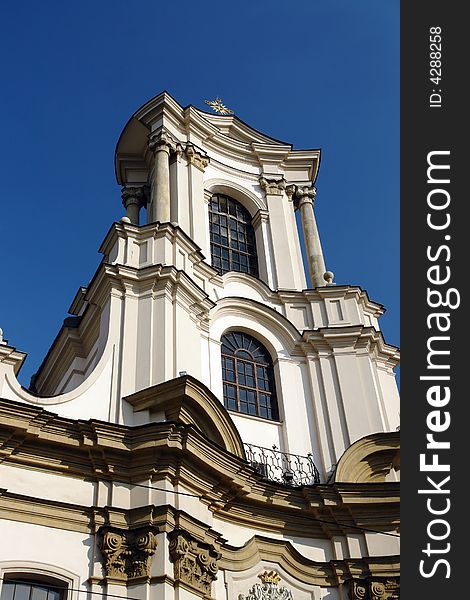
268, 589
272, 186
196, 158
362, 589
195, 564
127, 554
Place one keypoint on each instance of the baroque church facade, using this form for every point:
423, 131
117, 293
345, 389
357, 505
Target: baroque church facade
205, 425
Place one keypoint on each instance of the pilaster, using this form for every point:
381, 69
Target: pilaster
288, 269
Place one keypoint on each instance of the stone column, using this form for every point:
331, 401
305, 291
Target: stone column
132, 199
305, 197
159, 207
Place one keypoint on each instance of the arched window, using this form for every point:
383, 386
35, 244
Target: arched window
232, 236
17, 588
248, 376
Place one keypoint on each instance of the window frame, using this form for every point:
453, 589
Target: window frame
232, 236
33, 572
248, 391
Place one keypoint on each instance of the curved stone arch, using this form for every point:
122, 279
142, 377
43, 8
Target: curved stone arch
370, 459
13, 390
278, 334
259, 286
273, 330
259, 549
45, 571
246, 197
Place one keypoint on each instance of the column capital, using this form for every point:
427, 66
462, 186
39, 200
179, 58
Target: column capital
133, 195
290, 191
304, 195
274, 187
196, 158
161, 141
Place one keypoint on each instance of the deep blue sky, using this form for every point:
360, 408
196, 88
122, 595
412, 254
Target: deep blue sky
316, 73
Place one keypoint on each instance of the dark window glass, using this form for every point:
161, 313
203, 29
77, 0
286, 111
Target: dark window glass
30, 590
248, 376
232, 236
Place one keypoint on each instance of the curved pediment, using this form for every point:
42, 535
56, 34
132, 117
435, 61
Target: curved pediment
228, 135
187, 400
370, 459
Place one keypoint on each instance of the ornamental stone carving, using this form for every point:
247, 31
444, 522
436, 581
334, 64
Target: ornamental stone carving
196, 158
133, 195
362, 589
127, 554
273, 187
305, 194
161, 141
290, 191
195, 564
268, 589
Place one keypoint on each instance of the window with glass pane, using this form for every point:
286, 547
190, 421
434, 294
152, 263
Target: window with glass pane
232, 236
15, 589
248, 376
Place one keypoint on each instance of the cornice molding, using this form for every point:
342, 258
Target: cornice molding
228, 137
180, 454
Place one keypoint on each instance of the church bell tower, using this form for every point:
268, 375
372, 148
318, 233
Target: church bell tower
228, 414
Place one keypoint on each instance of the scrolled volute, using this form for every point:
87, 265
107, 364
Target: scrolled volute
127, 554
195, 564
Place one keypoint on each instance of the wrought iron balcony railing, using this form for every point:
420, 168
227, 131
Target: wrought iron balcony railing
282, 467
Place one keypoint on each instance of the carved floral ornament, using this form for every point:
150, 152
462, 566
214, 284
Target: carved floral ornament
127, 554
195, 564
196, 158
268, 589
375, 590
274, 187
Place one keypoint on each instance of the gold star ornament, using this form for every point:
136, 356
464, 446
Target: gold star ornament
219, 107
